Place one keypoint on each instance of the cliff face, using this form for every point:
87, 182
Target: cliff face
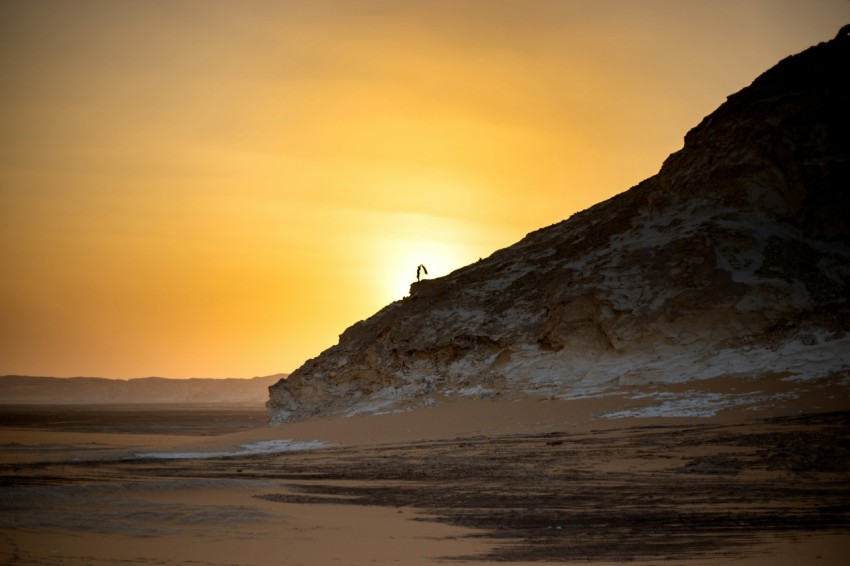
733, 259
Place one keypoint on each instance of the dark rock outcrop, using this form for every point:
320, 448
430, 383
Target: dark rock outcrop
733, 259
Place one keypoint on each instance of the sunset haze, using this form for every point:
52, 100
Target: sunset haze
219, 189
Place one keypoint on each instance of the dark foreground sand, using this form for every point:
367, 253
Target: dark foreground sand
765, 481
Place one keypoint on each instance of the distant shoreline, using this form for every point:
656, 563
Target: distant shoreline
30, 390
202, 419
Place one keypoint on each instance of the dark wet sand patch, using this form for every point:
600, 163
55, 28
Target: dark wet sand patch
675, 491
177, 419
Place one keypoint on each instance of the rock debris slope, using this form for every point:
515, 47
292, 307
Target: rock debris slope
733, 260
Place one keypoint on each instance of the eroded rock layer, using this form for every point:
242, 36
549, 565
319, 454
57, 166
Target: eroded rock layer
733, 260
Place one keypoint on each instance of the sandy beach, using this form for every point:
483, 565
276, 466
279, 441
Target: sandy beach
631, 476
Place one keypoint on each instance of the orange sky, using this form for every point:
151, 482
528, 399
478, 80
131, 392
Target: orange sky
218, 189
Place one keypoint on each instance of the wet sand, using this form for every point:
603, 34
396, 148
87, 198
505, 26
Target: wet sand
484, 482
184, 420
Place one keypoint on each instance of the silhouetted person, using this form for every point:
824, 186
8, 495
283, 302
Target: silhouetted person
420, 270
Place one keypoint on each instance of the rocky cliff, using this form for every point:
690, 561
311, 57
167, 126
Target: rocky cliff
733, 260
